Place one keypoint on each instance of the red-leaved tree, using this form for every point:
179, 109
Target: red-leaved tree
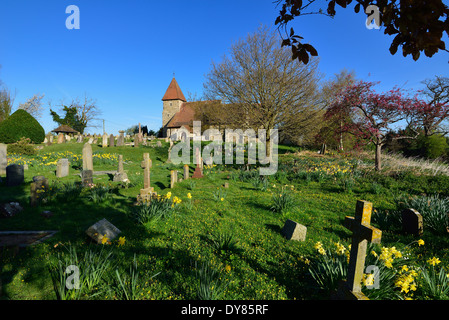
373, 113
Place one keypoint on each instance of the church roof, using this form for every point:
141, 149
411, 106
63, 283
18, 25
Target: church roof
174, 92
184, 117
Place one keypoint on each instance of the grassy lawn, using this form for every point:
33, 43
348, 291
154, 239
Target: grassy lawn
223, 243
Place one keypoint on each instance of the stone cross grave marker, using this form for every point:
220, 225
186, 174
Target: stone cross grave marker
120, 175
62, 168
412, 222
87, 157
362, 233
147, 191
3, 159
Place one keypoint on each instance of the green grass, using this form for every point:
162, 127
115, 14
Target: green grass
239, 237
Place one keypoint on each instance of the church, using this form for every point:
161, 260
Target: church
177, 114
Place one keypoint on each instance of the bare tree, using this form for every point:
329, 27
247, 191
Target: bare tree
33, 106
6, 103
81, 113
433, 113
261, 87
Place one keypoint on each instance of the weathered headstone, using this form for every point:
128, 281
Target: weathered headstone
8, 210
104, 143
362, 233
173, 178
147, 191
294, 231
146, 165
61, 138
91, 140
14, 175
136, 141
39, 186
412, 222
101, 229
80, 138
87, 177
186, 171
3, 159
111, 140
87, 157
159, 143
120, 175
62, 168
121, 139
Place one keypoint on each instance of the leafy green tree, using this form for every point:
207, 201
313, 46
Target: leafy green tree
417, 26
21, 125
70, 118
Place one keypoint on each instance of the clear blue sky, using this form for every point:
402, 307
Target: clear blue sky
125, 52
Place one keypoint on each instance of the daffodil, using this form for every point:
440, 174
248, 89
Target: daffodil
420, 242
104, 240
121, 241
434, 261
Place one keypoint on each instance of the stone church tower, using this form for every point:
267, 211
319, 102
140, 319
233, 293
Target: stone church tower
172, 101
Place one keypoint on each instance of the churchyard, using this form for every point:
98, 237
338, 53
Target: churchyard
132, 225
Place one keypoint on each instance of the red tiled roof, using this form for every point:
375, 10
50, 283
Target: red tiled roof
184, 117
174, 92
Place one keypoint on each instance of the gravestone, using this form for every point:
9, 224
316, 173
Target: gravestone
61, 138
62, 168
104, 143
120, 175
111, 140
412, 222
8, 210
173, 178
159, 143
121, 139
147, 191
102, 228
136, 141
351, 289
37, 187
186, 171
294, 231
80, 138
87, 157
87, 177
90, 141
14, 175
3, 159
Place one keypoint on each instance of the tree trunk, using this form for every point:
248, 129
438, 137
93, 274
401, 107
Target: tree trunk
378, 156
341, 135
